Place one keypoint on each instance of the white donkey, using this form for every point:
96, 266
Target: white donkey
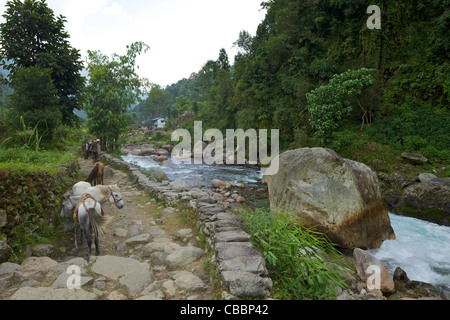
100, 193
90, 217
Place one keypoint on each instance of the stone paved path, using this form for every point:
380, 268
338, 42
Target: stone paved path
147, 253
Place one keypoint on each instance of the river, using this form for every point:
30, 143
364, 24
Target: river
421, 248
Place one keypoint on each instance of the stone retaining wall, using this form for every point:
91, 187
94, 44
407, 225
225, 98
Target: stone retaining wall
242, 269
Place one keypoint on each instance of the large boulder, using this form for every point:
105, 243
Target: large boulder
340, 197
429, 200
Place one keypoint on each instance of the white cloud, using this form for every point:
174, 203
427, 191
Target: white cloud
182, 34
114, 9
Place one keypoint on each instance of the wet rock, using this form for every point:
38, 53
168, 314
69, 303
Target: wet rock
363, 260
400, 275
216, 183
160, 158
178, 185
245, 284
159, 175
429, 199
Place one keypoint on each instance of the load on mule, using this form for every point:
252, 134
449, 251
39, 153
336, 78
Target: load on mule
86, 205
91, 219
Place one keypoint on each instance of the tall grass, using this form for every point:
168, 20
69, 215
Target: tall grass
303, 264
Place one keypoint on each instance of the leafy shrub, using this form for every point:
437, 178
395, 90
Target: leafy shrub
410, 129
302, 263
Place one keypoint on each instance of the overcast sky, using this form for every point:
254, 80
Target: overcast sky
182, 34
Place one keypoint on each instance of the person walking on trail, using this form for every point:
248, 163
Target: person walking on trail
95, 151
85, 148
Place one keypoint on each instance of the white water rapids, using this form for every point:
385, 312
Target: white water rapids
421, 249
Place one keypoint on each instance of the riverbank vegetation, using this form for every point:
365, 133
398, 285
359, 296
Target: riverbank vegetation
303, 263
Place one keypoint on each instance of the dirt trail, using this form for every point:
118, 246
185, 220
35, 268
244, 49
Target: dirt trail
141, 215
169, 266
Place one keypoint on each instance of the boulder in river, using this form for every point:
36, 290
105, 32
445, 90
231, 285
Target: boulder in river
339, 197
429, 200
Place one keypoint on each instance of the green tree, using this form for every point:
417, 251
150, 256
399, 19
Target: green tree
331, 103
113, 87
223, 62
156, 105
32, 36
35, 99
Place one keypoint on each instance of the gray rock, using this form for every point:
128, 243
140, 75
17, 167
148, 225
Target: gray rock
160, 246
235, 256
43, 250
245, 284
183, 256
414, 158
363, 260
139, 239
113, 267
32, 266
178, 185
160, 175
156, 231
189, 282
339, 197
207, 199
426, 176
429, 196
195, 184
252, 263
134, 231
198, 194
5, 251
30, 283
232, 236
61, 282
137, 279
184, 234
121, 232
116, 296
158, 258
29, 293
8, 268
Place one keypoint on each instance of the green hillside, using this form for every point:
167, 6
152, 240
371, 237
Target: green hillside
300, 46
